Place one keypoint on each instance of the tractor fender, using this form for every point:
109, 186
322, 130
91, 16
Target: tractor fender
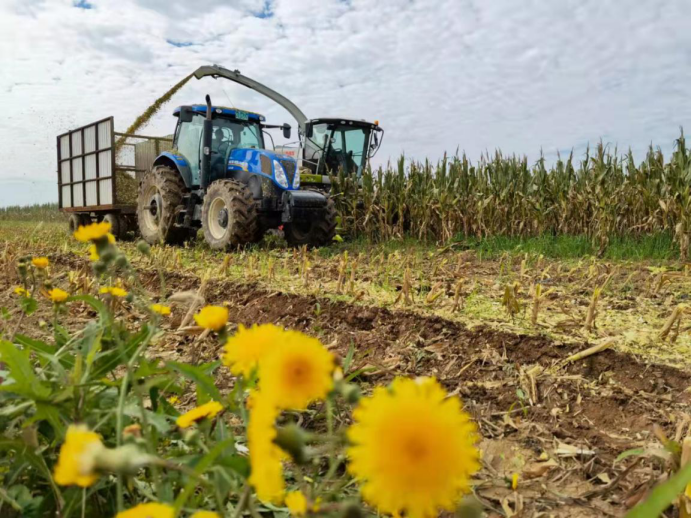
249, 178
178, 163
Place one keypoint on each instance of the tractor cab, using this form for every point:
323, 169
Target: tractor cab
335, 144
231, 129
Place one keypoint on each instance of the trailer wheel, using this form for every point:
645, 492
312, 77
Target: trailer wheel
160, 195
316, 232
229, 215
77, 219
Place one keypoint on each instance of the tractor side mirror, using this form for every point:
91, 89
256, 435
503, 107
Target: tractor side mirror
287, 131
308, 131
186, 115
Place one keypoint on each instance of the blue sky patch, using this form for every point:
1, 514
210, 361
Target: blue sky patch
83, 4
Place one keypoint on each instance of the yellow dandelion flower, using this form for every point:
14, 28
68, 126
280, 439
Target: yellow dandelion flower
208, 410
202, 514
20, 291
413, 449
244, 350
58, 295
212, 317
92, 232
298, 372
266, 469
93, 253
77, 459
113, 291
161, 309
296, 503
173, 400
40, 263
148, 510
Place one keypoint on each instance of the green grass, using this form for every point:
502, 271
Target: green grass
659, 246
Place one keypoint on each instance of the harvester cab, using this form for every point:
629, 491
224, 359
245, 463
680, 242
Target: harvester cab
221, 177
337, 144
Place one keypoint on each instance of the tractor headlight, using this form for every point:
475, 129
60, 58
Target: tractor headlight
296, 179
280, 174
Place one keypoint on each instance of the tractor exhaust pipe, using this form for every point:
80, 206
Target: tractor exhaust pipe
205, 173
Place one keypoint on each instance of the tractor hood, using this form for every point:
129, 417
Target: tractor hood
280, 168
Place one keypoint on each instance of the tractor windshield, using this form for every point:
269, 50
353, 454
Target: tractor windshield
227, 135
337, 147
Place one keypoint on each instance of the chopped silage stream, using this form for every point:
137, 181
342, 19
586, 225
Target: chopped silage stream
559, 426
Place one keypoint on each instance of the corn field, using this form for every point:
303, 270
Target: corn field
600, 196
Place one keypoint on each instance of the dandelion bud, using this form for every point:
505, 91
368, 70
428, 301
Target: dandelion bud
352, 509
107, 255
129, 297
191, 436
351, 393
292, 439
143, 247
127, 459
121, 261
99, 267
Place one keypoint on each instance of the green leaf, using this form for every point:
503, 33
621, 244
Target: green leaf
96, 304
348, 359
25, 381
107, 361
51, 414
158, 421
206, 390
663, 495
630, 452
200, 468
28, 305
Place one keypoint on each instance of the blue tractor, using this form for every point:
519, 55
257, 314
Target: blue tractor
221, 177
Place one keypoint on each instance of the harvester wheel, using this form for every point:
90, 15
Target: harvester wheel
316, 232
77, 219
160, 195
229, 215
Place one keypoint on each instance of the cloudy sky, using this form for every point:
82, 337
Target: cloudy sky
438, 74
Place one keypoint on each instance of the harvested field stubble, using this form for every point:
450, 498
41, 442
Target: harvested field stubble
554, 432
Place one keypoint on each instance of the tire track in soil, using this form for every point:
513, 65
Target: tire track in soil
607, 403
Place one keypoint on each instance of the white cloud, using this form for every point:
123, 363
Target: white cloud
438, 74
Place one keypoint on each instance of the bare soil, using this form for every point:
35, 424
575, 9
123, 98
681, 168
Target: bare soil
560, 427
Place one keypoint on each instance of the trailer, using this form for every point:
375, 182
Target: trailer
99, 171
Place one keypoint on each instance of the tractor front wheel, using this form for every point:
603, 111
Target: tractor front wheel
314, 232
160, 196
229, 215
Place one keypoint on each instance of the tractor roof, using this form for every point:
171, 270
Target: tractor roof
360, 123
202, 109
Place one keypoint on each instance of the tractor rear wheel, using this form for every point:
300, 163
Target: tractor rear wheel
160, 196
229, 215
315, 232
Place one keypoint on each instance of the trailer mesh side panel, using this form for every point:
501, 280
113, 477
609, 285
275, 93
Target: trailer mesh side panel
86, 166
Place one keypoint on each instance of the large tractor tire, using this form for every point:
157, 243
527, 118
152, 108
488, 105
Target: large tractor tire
229, 215
316, 232
77, 219
160, 196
